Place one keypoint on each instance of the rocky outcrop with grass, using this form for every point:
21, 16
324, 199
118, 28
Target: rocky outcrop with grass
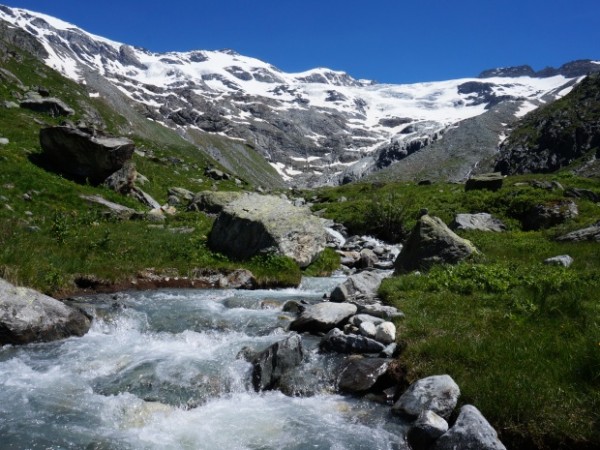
259, 224
432, 242
29, 316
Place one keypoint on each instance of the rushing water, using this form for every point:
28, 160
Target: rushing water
161, 370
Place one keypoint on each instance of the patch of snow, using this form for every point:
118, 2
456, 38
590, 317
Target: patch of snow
94, 94
525, 108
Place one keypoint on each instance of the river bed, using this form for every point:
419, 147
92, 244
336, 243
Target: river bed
162, 370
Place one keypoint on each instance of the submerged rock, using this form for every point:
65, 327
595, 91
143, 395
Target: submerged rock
28, 316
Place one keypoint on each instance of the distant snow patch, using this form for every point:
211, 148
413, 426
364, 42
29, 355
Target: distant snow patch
94, 94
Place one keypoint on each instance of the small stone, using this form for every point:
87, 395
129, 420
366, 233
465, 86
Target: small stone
426, 430
4, 141
368, 329
386, 333
561, 260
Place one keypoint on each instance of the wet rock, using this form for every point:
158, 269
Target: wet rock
489, 181
359, 286
293, 306
438, 393
361, 374
560, 260
337, 341
479, 222
432, 242
471, 431
368, 259
255, 224
322, 317
591, 233
426, 430
83, 155
30, 316
547, 215
270, 364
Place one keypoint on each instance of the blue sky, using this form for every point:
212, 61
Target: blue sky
385, 40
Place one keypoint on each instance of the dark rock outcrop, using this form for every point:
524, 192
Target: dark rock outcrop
489, 181
547, 215
432, 242
255, 224
270, 364
82, 155
555, 135
425, 430
48, 105
30, 316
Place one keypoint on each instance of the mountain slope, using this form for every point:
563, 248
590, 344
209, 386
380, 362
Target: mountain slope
556, 135
311, 126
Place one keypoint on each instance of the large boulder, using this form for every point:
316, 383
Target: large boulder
322, 317
363, 285
489, 181
438, 393
48, 105
82, 155
254, 224
477, 222
546, 215
30, 316
212, 202
270, 364
471, 431
432, 242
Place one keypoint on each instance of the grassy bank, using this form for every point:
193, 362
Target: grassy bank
522, 339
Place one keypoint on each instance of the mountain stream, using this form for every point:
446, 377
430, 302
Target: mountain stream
161, 370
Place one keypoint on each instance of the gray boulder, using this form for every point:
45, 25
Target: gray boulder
116, 210
383, 311
322, 317
337, 341
426, 430
123, 180
470, 432
560, 260
212, 202
478, 222
549, 214
359, 319
254, 224
368, 259
359, 286
591, 233
84, 156
47, 105
360, 374
368, 329
28, 316
385, 333
490, 181
432, 242
270, 364
438, 393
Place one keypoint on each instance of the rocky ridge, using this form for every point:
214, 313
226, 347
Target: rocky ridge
316, 127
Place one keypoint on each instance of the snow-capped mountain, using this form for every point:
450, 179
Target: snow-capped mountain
315, 127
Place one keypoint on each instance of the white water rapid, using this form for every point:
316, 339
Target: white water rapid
160, 370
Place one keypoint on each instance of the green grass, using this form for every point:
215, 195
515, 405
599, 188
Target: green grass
521, 339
